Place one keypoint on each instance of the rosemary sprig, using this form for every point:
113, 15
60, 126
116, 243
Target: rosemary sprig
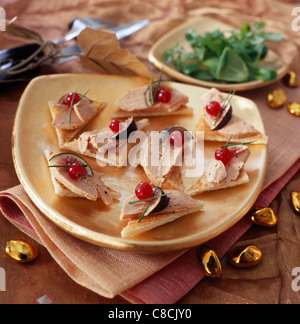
145, 211
229, 140
151, 88
65, 166
153, 96
71, 106
224, 105
72, 103
158, 84
234, 144
150, 199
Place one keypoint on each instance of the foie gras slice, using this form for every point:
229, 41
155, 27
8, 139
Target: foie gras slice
219, 175
234, 127
98, 143
89, 185
68, 125
180, 204
137, 102
160, 158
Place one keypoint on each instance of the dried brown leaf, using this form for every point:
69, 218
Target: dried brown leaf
102, 52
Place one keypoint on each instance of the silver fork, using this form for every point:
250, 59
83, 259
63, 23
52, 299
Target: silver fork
79, 24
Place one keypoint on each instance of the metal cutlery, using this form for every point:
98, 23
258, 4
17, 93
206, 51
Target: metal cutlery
79, 24
120, 31
11, 59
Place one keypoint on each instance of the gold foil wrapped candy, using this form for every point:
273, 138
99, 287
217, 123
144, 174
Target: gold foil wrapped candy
277, 98
245, 256
291, 79
295, 201
209, 261
263, 217
294, 108
21, 250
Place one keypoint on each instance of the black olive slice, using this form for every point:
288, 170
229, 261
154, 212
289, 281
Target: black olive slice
223, 119
148, 95
68, 158
155, 84
64, 97
172, 129
126, 132
159, 203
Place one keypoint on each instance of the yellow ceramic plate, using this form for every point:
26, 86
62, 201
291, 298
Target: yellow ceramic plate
203, 25
93, 221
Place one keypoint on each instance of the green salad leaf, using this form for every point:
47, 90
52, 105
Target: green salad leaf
231, 56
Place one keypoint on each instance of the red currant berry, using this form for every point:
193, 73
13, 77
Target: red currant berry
76, 170
144, 191
164, 96
213, 108
177, 138
223, 154
69, 99
115, 126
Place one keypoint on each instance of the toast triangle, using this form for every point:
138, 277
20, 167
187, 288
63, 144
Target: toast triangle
134, 227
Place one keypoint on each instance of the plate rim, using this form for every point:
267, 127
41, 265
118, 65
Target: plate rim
122, 244
172, 72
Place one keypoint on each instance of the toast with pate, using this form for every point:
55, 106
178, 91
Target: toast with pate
178, 205
230, 126
166, 158
221, 175
160, 159
89, 185
138, 103
67, 121
105, 145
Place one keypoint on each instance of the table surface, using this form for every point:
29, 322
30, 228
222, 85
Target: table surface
271, 281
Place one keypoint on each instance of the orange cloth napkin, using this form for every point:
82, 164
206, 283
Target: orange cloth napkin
105, 271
